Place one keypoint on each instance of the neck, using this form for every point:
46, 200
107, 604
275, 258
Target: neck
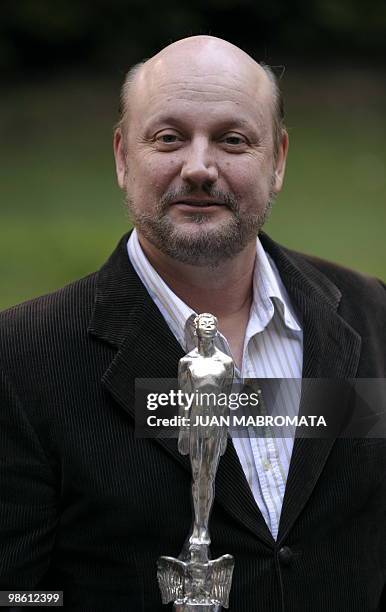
223, 291
205, 346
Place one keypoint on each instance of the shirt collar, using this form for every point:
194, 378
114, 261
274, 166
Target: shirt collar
269, 296
178, 315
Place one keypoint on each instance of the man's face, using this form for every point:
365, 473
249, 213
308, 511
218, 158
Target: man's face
199, 171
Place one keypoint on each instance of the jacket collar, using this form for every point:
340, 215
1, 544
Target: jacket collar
125, 317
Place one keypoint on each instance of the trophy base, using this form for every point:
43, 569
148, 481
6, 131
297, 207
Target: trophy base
195, 586
196, 607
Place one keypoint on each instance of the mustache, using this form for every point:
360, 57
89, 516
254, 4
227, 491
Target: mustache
225, 198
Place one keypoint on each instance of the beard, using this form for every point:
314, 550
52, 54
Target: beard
211, 245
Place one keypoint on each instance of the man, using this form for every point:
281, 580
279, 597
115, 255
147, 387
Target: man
85, 506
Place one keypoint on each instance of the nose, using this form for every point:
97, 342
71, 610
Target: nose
199, 168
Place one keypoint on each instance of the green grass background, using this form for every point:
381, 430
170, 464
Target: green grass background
62, 214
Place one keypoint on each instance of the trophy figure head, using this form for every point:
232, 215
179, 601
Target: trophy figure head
206, 325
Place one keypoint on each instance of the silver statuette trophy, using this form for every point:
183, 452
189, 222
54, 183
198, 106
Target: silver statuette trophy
193, 581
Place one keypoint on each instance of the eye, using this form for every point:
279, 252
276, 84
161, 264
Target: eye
234, 140
167, 138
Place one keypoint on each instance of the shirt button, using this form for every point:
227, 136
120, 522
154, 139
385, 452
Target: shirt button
266, 465
285, 555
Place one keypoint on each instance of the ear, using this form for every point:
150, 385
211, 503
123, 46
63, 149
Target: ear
120, 157
280, 163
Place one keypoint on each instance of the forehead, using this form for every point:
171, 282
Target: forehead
201, 85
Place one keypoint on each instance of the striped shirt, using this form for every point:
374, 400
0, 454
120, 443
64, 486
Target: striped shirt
273, 348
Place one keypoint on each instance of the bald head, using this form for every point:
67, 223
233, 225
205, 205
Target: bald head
189, 60
198, 55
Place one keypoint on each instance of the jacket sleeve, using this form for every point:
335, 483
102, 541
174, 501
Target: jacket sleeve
28, 509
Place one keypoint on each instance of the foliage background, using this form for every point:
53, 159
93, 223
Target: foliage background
62, 64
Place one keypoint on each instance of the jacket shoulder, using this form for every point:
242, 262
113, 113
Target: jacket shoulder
328, 280
361, 300
352, 284
59, 314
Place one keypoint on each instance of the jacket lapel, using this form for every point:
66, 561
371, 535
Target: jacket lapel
331, 350
125, 317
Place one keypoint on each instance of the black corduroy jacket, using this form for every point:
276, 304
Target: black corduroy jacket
87, 508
